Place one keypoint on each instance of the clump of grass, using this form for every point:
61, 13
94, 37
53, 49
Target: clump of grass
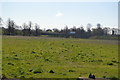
51, 71
4, 76
37, 70
71, 70
10, 64
109, 63
115, 78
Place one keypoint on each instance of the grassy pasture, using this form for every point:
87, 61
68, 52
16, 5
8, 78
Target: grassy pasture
45, 57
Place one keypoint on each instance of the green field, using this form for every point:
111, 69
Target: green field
34, 57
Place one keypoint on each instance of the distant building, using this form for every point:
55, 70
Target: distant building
72, 32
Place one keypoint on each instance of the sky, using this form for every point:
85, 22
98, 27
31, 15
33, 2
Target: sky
51, 15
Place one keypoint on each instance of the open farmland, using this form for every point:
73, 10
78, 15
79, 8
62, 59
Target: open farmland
39, 57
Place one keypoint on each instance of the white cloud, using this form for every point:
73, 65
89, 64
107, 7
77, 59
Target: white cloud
59, 14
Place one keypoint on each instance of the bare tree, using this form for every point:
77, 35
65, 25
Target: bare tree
56, 30
25, 29
89, 26
98, 25
66, 29
89, 30
29, 27
106, 30
11, 27
36, 29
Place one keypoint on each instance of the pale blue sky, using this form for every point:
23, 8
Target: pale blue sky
58, 14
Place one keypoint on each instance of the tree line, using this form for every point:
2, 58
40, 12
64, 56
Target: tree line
29, 30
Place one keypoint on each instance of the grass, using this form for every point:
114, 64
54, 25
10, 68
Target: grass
35, 57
